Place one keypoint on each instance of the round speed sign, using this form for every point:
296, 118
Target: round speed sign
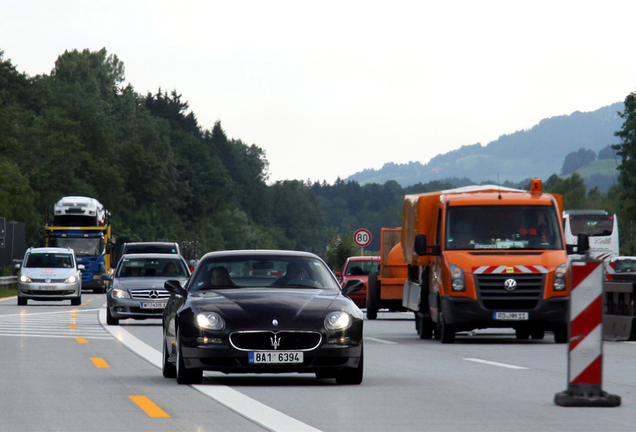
362, 237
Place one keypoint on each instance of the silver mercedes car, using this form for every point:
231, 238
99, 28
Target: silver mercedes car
138, 290
50, 274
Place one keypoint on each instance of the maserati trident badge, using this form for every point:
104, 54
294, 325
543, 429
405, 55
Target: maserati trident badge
275, 341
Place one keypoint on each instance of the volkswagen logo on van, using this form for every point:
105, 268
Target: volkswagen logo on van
510, 284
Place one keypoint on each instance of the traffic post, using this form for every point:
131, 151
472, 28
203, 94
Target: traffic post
585, 353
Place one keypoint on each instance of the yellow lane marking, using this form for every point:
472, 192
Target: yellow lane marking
81, 340
83, 304
100, 363
149, 406
73, 326
73, 316
91, 300
73, 310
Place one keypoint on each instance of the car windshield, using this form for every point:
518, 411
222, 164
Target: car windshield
262, 271
49, 260
135, 249
151, 267
362, 268
502, 227
625, 265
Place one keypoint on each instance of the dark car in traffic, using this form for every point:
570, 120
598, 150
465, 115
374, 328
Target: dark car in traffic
258, 311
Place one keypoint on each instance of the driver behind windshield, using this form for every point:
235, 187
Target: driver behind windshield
220, 277
295, 271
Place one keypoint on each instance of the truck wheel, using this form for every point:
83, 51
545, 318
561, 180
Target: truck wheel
424, 327
537, 334
446, 332
373, 296
561, 334
522, 334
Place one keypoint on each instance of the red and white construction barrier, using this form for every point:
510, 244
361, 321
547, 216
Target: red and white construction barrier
585, 355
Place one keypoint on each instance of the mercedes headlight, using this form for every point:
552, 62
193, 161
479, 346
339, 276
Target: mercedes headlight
120, 293
210, 321
337, 320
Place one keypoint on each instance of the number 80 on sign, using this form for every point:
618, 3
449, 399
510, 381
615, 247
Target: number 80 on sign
362, 237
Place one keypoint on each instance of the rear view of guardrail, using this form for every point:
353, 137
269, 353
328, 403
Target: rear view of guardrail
8, 280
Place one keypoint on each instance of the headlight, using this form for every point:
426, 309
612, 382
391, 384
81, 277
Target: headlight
559, 277
71, 279
210, 321
120, 293
337, 320
25, 279
458, 282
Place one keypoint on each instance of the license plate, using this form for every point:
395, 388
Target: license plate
48, 287
510, 316
153, 305
275, 357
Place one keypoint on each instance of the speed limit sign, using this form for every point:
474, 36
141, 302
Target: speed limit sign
362, 237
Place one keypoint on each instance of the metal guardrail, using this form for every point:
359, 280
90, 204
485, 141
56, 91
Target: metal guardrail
8, 280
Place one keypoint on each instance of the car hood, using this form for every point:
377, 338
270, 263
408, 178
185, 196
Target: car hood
260, 306
131, 283
48, 273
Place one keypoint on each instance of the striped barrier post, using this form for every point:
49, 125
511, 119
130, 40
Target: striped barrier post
585, 354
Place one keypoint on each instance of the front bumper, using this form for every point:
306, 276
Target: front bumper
132, 308
50, 291
467, 314
223, 358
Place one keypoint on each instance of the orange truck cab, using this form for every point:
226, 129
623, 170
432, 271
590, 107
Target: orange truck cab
484, 257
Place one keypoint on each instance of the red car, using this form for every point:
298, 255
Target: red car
359, 267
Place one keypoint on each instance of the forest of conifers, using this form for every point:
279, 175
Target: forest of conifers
80, 131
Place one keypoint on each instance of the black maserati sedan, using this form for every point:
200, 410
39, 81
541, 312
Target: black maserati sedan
262, 311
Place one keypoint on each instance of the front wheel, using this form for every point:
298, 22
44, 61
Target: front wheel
352, 376
561, 334
446, 332
169, 369
186, 376
77, 300
22, 301
110, 319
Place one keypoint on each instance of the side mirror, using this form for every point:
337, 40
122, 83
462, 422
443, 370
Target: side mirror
173, 286
81, 267
18, 266
353, 285
421, 248
581, 247
107, 276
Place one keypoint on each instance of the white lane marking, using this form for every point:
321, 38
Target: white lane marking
380, 340
492, 363
255, 411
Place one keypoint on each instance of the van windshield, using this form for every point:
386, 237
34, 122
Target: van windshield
502, 227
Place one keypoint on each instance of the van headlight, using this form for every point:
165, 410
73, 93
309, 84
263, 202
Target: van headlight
25, 279
458, 282
71, 279
559, 277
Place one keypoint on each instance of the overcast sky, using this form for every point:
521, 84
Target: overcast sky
330, 88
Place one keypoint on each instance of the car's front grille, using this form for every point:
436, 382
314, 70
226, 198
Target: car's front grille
45, 293
48, 280
150, 294
285, 340
145, 311
525, 296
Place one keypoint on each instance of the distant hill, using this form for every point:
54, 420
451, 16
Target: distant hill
535, 153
